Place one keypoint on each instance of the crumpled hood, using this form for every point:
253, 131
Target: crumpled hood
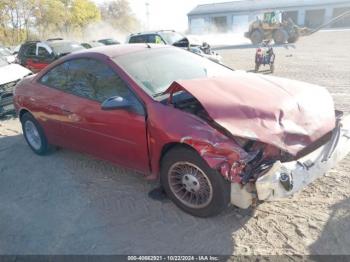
12, 72
285, 113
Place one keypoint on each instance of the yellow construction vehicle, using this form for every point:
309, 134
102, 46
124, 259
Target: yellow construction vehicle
272, 27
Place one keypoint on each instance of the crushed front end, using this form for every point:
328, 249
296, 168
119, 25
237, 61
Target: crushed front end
284, 178
266, 150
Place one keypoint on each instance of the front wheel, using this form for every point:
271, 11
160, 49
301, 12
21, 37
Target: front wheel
192, 185
257, 37
280, 36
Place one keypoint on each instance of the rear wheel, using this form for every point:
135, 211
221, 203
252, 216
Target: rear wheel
192, 185
257, 66
293, 37
280, 36
34, 135
257, 37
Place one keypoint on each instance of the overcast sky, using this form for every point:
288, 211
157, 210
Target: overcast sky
165, 14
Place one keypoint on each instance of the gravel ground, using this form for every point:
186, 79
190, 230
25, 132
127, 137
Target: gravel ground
69, 203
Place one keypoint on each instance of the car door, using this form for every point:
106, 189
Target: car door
44, 56
48, 94
115, 135
38, 56
27, 55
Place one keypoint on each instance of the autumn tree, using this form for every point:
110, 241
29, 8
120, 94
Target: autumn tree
21, 20
49, 17
118, 13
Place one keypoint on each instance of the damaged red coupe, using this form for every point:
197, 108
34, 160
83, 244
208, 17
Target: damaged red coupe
211, 135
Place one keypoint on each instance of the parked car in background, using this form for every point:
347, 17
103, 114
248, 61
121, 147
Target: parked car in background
15, 50
6, 54
10, 75
109, 41
36, 55
91, 44
171, 37
210, 134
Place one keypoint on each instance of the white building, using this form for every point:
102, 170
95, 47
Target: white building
236, 15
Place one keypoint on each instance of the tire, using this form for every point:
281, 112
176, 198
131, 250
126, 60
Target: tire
34, 135
256, 37
257, 66
293, 38
280, 36
192, 182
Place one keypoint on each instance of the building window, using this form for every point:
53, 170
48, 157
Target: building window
198, 26
290, 15
240, 23
220, 24
345, 21
314, 18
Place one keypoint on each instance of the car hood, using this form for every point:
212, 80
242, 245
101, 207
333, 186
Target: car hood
288, 114
12, 72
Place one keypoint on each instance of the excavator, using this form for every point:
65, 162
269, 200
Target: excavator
272, 27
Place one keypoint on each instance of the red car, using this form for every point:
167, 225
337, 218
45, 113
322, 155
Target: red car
213, 136
36, 55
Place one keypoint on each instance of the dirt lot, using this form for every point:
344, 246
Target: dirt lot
68, 203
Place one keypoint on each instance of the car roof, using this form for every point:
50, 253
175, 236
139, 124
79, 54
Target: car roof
50, 41
118, 50
59, 42
152, 32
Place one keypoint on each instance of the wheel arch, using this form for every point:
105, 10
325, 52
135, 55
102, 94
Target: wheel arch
212, 155
22, 112
172, 145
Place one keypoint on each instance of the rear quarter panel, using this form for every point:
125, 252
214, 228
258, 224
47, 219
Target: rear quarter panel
34, 98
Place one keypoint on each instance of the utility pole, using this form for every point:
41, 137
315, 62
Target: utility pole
147, 15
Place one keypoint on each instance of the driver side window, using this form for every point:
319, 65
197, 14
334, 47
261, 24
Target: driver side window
90, 79
95, 80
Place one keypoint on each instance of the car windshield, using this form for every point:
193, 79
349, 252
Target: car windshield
155, 69
109, 42
4, 51
171, 37
65, 47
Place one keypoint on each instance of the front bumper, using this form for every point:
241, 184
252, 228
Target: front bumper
6, 103
285, 179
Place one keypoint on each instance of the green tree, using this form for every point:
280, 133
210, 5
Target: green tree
84, 12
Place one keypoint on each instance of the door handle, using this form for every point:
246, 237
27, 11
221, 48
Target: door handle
66, 111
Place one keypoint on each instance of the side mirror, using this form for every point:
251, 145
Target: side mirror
116, 102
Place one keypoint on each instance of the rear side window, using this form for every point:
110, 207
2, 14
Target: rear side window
87, 78
57, 77
155, 39
31, 50
138, 39
95, 80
